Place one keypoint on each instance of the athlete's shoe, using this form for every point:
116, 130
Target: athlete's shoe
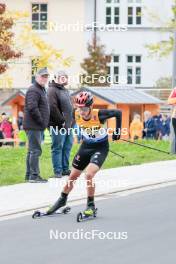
90, 209
58, 204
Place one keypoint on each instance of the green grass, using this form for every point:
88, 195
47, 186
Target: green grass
12, 160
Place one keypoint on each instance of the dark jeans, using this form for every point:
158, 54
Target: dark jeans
34, 152
60, 149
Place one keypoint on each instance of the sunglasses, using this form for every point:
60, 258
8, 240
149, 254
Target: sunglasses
84, 109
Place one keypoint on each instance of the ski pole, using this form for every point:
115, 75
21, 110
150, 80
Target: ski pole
121, 156
142, 145
117, 154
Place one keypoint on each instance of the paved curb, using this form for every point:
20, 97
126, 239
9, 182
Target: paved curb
43, 206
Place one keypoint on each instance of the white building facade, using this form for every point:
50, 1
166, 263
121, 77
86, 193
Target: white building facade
130, 63
50, 19
135, 28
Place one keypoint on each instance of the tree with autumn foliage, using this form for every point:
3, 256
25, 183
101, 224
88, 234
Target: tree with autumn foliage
7, 50
95, 66
32, 45
165, 47
45, 54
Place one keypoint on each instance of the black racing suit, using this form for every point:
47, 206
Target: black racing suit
97, 152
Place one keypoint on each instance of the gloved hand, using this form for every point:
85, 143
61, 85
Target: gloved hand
115, 137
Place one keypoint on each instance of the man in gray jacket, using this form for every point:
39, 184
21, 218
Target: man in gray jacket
61, 112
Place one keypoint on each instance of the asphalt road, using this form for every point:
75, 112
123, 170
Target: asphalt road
144, 229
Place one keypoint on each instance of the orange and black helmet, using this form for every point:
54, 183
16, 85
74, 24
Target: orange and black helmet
84, 99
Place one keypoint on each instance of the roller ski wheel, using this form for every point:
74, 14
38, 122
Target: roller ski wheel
86, 214
66, 210
38, 214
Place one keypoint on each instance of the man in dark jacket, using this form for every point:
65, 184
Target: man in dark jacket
165, 127
158, 123
36, 119
60, 122
149, 126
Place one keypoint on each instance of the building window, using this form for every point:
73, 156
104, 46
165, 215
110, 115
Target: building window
39, 16
138, 75
138, 15
130, 15
134, 12
129, 75
134, 69
113, 12
108, 15
113, 69
34, 67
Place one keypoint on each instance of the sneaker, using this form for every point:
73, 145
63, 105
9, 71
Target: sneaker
38, 179
66, 173
90, 209
57, 176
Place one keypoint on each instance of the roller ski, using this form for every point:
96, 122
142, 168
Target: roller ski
39, 214
55, 209
90, 212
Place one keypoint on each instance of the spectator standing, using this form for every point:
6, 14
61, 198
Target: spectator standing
61, 118
6, 129
136, 128
149, 131
158, 123
20, 120
21, 132
165, 131
36, 119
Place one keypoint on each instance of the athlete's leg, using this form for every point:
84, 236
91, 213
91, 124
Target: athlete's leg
71, 180
62, 200
91, 170
96, 161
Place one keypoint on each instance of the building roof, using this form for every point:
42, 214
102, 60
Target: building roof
122, 95
113, 95
21, 92
4, 94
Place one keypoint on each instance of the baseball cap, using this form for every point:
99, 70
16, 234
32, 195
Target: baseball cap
42, 71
